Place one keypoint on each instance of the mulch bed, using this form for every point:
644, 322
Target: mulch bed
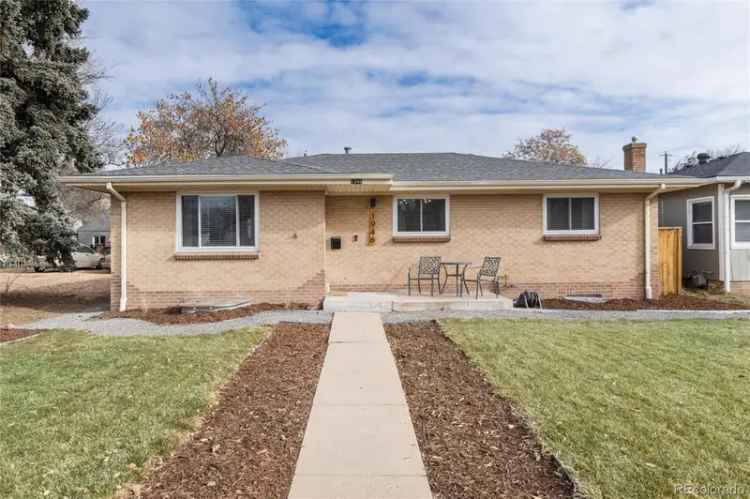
473, 443
173, 315
12, 334
673, 302
248, 445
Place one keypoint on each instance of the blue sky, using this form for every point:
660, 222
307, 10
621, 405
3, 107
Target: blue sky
466, 77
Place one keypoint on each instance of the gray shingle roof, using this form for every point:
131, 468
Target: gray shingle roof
403, 167
736, 165
456, 167
225, 165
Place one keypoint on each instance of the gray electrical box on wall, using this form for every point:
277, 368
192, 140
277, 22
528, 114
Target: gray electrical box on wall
336, 243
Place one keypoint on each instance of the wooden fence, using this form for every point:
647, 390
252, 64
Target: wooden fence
670, 259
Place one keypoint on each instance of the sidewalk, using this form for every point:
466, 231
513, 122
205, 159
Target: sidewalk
359, 442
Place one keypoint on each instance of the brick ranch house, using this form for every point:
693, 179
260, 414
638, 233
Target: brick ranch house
244, 228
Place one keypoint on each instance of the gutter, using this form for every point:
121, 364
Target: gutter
726, 223
659, 180
647, 239
386, 182
123, 246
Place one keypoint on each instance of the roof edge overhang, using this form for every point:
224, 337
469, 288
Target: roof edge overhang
124, 179
594, 184
167, 182
374, 183
729, 178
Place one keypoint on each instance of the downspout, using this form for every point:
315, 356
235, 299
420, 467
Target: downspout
647, 241
123, 247
727, 220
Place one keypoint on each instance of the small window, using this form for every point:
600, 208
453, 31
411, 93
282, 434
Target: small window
574, 214
700, 219
421, 216
741, 222
216, 222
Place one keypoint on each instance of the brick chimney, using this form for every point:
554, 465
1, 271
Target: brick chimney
635, 156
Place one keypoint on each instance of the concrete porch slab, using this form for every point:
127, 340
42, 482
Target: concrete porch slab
387, 302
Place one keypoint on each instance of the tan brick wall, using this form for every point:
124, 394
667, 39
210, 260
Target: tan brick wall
294, 264
509, 226
290, 266
741, 287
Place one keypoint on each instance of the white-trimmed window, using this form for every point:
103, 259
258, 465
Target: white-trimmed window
741, 222
700, 223
571, 214
217, 222
421, 216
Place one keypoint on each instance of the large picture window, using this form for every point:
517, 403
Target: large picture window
217, 222
741, 222
571, 214
421, 216
700, 222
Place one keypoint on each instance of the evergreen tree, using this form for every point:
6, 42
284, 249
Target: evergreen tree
44, 112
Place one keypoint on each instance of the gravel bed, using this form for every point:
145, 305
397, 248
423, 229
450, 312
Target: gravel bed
134, 327
649, 315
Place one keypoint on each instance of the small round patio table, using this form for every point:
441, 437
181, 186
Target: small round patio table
459, 269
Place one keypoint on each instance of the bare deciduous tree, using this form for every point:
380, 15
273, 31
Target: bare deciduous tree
106, 139
552, 144
212, 121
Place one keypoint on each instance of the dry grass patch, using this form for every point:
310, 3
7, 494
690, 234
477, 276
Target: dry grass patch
28, 297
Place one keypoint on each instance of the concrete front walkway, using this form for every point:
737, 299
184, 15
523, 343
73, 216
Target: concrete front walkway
359, 442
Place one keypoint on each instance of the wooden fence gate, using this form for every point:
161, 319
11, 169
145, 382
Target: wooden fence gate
670, 259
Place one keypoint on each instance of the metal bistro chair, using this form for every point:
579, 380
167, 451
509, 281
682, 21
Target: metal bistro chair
428, 269
487, 272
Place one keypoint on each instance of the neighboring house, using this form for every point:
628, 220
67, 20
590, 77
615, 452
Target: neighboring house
94, 232
295, 229
715, 219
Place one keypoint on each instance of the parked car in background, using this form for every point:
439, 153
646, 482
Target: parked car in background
105, 261
83, 258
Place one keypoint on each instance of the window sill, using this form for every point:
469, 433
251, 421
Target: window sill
572, 237
421, 239
701, 247
216, 255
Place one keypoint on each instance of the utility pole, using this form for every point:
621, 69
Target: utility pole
666, 162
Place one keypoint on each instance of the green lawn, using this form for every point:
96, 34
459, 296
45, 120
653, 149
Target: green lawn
635, 408
81, 414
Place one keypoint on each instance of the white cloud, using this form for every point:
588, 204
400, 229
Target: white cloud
676, 75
